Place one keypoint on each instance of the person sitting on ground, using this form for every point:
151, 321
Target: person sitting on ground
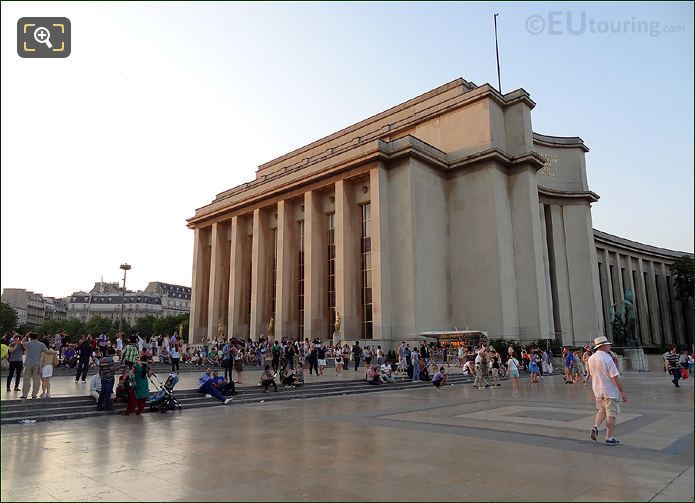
424, 373
291, 377
95, 386
226, 387
206, 386
123, 386
469, 368
298, 376
268, 378
386, 374
212, 357
373, 375
286, 376
439, 378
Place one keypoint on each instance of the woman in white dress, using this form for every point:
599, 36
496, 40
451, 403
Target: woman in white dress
46, 363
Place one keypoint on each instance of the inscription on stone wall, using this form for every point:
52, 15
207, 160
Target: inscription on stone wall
550, 162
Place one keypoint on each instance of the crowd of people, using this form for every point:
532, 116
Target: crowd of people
128, 360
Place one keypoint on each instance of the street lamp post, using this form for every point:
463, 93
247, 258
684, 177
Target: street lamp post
126, 268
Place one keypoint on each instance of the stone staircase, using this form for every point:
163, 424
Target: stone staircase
77, 407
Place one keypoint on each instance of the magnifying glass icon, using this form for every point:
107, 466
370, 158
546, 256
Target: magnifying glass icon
43, 36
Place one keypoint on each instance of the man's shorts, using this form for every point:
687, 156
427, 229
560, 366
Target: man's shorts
610, 406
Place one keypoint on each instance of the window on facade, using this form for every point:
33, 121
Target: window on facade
300, 281
366, 271
331, 272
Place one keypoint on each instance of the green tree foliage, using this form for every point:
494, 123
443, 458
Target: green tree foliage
169, 324
683, 271
8, 318
98, 325
145, 326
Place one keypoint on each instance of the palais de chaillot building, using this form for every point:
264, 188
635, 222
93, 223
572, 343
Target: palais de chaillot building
445, 211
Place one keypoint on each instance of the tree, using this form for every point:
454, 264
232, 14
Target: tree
145, 326
98, 325
683, 271
8, 318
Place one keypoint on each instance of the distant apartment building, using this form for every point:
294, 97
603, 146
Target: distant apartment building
176, 299
106, 301
34, 308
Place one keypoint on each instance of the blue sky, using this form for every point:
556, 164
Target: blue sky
161, 106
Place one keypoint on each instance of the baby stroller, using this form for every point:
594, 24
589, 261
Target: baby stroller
164, 399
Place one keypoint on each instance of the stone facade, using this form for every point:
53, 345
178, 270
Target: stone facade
660, 318
445, 211
34, 308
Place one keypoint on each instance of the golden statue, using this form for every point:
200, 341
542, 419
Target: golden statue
337, 322
271, 325
220, 329
180, 330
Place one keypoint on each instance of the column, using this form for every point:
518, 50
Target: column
314, 266
657, 317
669, 337
531, 291
583, 273
381, 265
199, 286
675, 311
557, 235
645, 305
259, 271
347, 279
219, 280
235, 317
546, 271
284, 319
608, 293
620, 292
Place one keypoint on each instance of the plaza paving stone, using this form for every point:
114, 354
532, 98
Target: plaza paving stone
412, 445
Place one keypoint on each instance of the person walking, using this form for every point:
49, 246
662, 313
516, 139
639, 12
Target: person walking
568, 365
415, 360
102, 344
176, 354
513, 368
131, 353
238, 362
15, 351
338, 361
321, 356
275, 351
495, 368
86, 352
107, 376
674, 367
32, 363
46, 364
356, 354
607, 388
139, 387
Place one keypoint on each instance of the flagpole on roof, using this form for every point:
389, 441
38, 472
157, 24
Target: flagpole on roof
497, 52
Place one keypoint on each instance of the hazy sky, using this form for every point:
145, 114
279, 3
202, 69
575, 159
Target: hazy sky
161, 106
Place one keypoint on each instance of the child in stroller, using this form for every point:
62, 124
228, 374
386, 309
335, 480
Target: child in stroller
164, 399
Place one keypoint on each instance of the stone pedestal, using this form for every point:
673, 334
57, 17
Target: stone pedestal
638, 361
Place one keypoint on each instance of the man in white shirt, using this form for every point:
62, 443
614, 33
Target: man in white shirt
607, 389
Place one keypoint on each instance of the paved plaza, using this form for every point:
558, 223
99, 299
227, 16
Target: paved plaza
416, 445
